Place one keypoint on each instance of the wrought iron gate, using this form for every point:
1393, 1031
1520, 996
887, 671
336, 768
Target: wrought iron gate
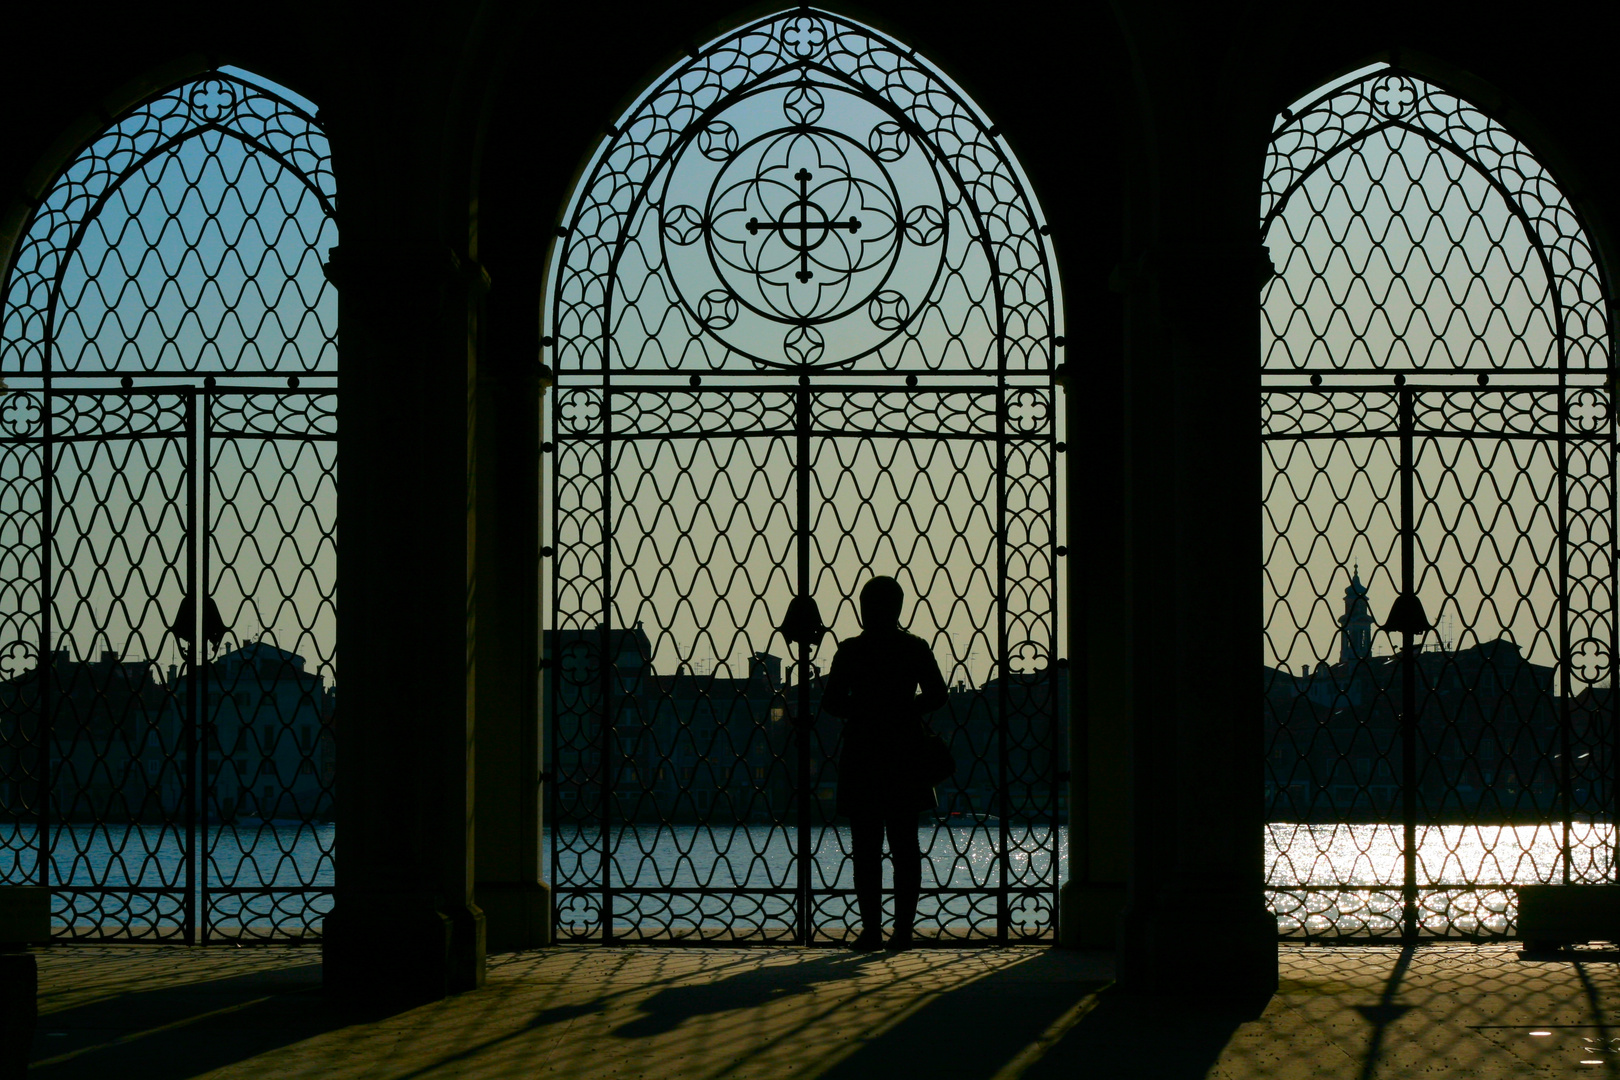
167, 497
1438, 439
803, 330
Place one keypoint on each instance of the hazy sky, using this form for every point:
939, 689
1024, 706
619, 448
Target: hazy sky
1396, 256
1400, 256
702, 531
207, 260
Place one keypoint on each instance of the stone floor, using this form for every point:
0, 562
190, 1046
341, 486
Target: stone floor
172, 1013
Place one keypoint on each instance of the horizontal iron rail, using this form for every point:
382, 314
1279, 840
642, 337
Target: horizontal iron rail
1439, 433
1436, 886
618, 437
774, 373
144, 890
667, 890
137, 373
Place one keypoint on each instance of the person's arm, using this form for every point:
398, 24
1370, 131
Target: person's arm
931, 682
835, 696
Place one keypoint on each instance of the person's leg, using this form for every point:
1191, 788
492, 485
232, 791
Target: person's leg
866, 855
906, 854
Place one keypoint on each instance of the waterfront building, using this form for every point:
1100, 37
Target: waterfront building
711, 746
104, 742
1489, 725
267, 738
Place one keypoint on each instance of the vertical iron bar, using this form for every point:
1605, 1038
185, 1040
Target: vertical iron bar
202, 467
47, 655
1004, 670
1059, 735
196, 699
805, 725
1408, 685
551, 670
605, 661
1565, 741
1608, 700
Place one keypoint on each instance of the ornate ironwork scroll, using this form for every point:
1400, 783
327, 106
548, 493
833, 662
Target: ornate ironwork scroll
168, 434
804, 330
804, 194
1438, 452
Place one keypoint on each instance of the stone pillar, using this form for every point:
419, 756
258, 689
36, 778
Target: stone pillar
507, 601
401, 108
1100, 692
404, 924
1100, 687
1197, 851
1195, 920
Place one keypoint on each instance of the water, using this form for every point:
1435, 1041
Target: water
761, 856
1342, 879
283, 869
964, 862
1465, 871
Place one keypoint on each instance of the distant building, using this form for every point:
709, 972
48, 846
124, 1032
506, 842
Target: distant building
1356, 624
1034, 722
1490, 731
268, 745
118, 741
92, 728
721, 746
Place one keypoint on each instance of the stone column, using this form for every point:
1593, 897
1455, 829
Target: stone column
508, 604
1197, 744
401, 107
1100, 619
403, 925
1195, 920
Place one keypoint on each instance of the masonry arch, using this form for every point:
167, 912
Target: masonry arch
804, 328
168, 469
1438, 474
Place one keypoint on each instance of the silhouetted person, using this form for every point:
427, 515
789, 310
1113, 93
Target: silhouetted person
874, 685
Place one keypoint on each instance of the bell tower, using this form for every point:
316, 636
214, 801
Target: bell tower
1356, 624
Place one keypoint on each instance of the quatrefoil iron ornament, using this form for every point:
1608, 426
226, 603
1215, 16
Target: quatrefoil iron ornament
797, 243
212, 99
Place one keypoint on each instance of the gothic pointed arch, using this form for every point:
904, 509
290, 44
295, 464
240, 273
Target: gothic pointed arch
696, 192
168, 345
1437, 406
803, 322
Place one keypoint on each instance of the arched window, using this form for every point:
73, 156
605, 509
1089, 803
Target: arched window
167, 495
1438, 462
804, 325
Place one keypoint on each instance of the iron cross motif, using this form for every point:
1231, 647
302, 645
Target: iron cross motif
804, 225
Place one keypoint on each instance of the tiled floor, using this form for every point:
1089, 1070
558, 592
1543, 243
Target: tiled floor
576, 1012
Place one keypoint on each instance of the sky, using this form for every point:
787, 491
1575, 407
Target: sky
702, 531
1393, 257
1401, 257
207, 260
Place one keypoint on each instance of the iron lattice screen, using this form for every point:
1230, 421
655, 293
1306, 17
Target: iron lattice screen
803, 327
167, 498
1438, 476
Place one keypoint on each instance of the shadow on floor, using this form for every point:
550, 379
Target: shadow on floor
172, 1032
670, 1007
1049, 1016
1030, 1021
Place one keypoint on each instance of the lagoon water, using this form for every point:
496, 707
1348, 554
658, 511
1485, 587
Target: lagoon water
1318, 876
1463, 871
